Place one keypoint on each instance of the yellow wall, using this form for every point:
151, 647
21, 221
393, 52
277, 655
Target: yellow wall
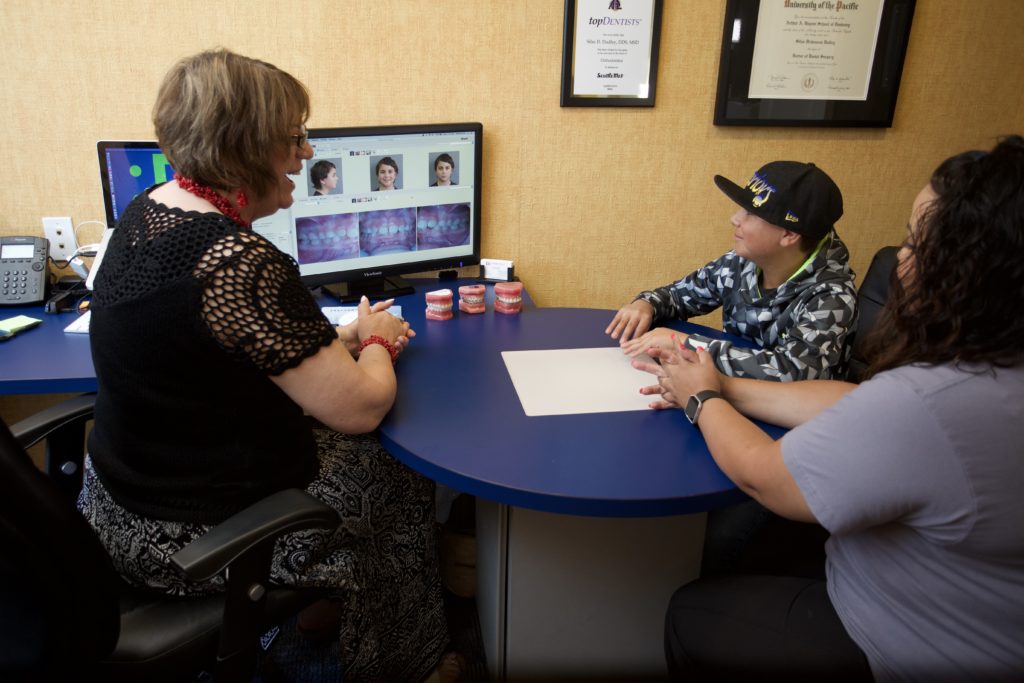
593, 204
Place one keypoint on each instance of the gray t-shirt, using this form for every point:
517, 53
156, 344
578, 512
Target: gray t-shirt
919, 476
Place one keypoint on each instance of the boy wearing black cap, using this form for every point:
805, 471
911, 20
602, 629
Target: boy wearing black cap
787, 285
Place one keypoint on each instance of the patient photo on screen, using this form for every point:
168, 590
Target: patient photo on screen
387, 174
444, 169
444, 225
324, 178
387, 232
327, 238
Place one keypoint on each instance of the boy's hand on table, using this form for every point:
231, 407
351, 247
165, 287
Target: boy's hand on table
631, 320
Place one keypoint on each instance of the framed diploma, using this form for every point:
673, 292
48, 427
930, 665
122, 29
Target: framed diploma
812, 62
610, 53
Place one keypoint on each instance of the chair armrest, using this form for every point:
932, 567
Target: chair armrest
277, 514
41, 425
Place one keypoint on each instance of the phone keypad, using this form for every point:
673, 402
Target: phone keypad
15, 284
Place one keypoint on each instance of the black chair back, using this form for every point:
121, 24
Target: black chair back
59, 589
871, 298
65, 613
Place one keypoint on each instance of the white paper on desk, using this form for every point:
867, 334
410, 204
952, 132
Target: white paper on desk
574, 381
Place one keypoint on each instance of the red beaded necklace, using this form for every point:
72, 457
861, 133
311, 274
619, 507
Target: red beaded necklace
211, 195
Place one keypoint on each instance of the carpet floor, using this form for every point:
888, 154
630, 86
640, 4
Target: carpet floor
291, 658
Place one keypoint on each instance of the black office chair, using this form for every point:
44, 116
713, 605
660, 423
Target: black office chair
871, 297
66, 613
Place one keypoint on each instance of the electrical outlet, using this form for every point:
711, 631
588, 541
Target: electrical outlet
61, 234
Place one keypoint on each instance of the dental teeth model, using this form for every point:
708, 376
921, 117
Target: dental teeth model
439, 305
471, 299
508, 297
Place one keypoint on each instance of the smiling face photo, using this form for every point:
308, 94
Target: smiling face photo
386, 173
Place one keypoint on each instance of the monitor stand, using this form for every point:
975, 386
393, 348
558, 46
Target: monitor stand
372, 288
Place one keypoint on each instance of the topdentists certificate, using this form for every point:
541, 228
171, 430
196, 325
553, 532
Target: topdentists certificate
814, 49
612, 48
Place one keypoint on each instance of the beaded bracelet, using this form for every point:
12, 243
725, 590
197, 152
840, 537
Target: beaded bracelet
377, 339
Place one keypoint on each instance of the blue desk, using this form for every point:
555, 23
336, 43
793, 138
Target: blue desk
458, 420
586, 523
46, 360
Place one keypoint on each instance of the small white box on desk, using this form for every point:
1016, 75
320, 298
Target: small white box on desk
496, 269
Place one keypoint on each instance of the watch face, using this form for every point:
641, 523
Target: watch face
692, 404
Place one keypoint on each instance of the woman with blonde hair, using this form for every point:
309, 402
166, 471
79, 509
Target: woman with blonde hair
221, 382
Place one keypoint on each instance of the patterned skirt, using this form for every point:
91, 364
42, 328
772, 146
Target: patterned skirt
381, 562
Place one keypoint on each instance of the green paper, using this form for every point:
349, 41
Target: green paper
18, 323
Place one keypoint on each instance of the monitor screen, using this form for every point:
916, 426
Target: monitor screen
377, 202
126, 169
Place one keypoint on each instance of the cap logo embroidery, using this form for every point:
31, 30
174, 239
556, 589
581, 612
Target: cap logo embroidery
761, 188
791, 218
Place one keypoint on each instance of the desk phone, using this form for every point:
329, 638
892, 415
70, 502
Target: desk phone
23, 270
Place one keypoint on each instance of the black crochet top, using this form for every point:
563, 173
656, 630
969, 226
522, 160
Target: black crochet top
191, 315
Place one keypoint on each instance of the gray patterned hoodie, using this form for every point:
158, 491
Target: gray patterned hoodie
804, 327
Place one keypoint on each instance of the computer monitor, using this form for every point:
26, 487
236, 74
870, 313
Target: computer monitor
352, 235
127, 167
355, 238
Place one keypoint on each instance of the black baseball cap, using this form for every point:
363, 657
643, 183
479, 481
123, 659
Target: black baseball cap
791, 195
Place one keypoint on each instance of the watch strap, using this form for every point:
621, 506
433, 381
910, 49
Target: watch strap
708, 394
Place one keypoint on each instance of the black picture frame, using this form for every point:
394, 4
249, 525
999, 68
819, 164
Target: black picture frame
568, 99
734, 108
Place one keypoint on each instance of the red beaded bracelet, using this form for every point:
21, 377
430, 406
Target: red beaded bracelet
377, 339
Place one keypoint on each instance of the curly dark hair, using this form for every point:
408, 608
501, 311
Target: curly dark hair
962, 297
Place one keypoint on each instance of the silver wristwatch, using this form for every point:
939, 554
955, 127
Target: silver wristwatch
696, 403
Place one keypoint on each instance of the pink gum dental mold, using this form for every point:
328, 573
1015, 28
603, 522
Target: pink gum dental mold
471, 299
508, 297
439, 305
